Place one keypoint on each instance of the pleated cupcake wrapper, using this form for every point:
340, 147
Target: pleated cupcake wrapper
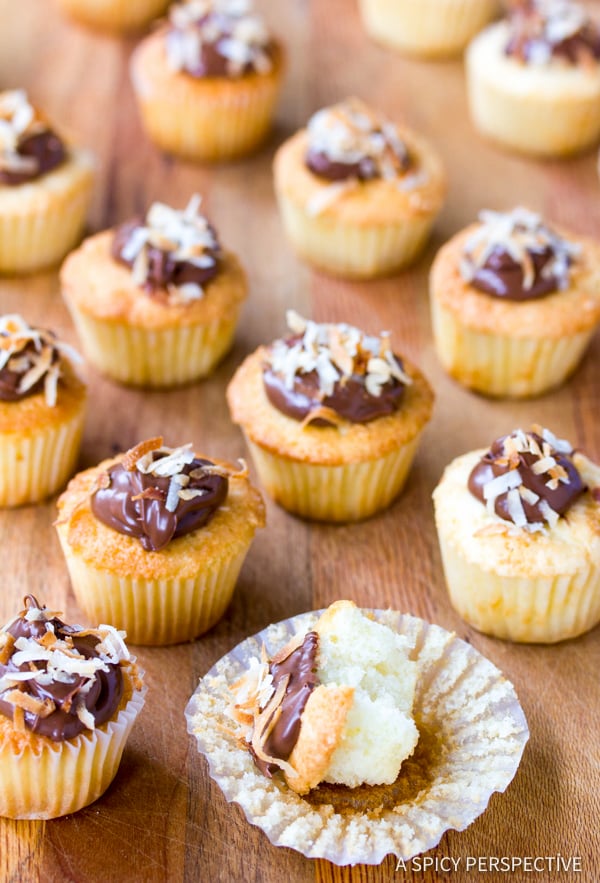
36, 466
348, 492
155, 611
114, 15
41, 232
426, 27
206, 125
537, 609
541, 126
353, 251
463, 704
154, 357
45, 779
500, 365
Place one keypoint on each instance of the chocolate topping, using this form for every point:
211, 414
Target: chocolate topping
541, 30
539, 480
157, 508
58, 701
28, 146
514, 255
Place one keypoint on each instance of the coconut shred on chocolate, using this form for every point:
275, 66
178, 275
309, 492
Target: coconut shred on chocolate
59, 680
217, 38
28, 146
514, 255
322, 373
171, 253
528, 478
270, 698
156, 493
543, 30
30, 360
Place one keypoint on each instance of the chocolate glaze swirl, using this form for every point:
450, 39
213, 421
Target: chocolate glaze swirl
528, 35
10, 379
45, 148
494, 463
504, 277
102, 700
134, 504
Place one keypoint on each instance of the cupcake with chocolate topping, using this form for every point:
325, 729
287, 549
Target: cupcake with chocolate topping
68, 699
207, 83
114, 16
514, 303
42, 411
155, 301
519, 531
45, 188
534, 79
154, 540
357, 193
332, 418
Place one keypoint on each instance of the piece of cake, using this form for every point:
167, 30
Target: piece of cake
514, 303
156, 301
207, 83
42, 412
154, 540
519, 532
357, 193
332, 418
114, 16
45, 188
534, 79
68, 699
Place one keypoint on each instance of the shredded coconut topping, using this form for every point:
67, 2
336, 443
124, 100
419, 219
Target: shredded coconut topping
33, 353
520, 233
335, 352
18, 120
229, 26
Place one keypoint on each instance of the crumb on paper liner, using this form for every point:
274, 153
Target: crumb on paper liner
472, 735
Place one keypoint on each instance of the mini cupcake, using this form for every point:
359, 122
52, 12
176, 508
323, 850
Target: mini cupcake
155, 539
42, 411
534, 79
519, 531
207, 84
357, 194
118, 16
514, 303
68, 699
354, 734
45, 188
428, 28
156, 301
332, 418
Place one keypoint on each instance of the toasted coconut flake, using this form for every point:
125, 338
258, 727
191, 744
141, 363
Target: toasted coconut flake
85, 716
7, 642
42, 708
19, 719
322, 413
544, 465
131, 457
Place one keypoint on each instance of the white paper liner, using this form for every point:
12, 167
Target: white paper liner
472, 735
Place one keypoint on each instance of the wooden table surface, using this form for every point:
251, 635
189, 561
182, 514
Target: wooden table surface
163, 819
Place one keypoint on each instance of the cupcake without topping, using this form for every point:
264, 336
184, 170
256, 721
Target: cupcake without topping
519, 532
45, 188
120, 16
514, 303
208, 82
156, 301
68, 699
357, 193
534, 79
154, 540
332, 418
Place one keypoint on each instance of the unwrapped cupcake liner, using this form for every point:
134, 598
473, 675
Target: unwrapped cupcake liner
35, 466
43, 779
351, 250
472, 735
426, 27
504, 365
114, 15
154, 357
536, 609
349, 492
155, 611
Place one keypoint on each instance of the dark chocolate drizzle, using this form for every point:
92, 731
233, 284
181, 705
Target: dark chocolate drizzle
102, 700
504, 277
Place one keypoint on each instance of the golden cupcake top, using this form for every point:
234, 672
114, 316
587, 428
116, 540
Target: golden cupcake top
28, 146
541, 31
515, 255
32, 360
218, 38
